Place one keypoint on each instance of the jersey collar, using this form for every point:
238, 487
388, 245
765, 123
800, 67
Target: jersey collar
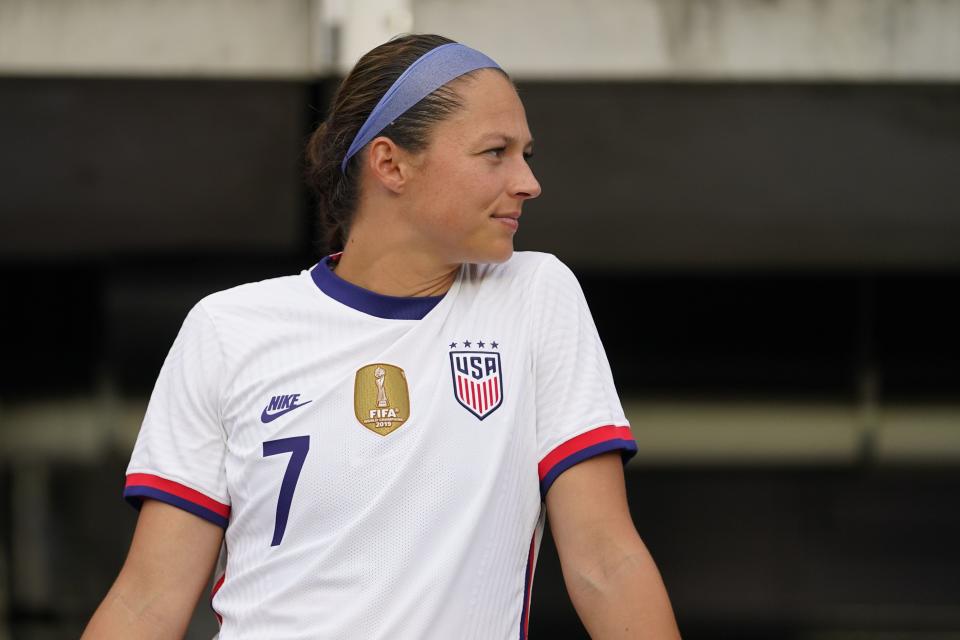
369, 302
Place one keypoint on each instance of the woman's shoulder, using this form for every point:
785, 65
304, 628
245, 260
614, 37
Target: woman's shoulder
262, 297
525, 269
522, 263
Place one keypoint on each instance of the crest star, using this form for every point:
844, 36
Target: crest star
494, 345
453, 345
466, 343
480, 344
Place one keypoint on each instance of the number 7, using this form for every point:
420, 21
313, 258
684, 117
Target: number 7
298, 446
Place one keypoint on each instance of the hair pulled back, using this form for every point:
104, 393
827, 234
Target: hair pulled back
355, 98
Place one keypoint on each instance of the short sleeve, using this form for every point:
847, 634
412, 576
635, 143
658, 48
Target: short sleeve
180, 451
579, 414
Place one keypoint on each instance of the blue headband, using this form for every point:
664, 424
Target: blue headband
428, 73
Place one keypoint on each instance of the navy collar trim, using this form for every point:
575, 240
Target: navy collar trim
369, 302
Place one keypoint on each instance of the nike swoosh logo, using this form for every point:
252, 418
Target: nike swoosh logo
270, 417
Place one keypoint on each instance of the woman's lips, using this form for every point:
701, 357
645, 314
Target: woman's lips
512, 220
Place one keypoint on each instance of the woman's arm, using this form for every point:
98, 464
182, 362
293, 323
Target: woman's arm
613, 582
169, 564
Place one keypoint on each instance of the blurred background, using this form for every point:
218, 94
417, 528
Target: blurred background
760, 197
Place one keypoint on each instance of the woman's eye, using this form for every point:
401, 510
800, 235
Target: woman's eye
499, 151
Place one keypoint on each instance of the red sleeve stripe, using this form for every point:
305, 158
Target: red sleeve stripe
586, 445
178, 490
584, 440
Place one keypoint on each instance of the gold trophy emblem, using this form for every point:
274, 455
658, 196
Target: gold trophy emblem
381, 399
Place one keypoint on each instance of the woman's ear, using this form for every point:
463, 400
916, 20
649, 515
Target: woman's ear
389, 164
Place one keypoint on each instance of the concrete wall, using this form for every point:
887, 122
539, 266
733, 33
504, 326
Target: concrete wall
232, 38
685, 39
720, 39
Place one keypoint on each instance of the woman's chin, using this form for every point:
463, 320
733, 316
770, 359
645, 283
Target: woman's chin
498, 255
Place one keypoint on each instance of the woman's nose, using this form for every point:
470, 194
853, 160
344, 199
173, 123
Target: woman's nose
526, 185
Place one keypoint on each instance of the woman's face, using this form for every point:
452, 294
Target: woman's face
470, 184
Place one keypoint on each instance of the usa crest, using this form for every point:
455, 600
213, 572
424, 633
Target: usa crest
477, 380
381, 400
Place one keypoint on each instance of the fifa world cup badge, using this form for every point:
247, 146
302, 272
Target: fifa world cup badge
381, 399
477, 376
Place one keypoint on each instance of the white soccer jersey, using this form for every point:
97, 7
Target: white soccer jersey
379, 463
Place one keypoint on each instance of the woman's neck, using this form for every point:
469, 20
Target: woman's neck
394, 273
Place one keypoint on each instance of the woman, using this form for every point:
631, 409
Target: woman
378, 436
